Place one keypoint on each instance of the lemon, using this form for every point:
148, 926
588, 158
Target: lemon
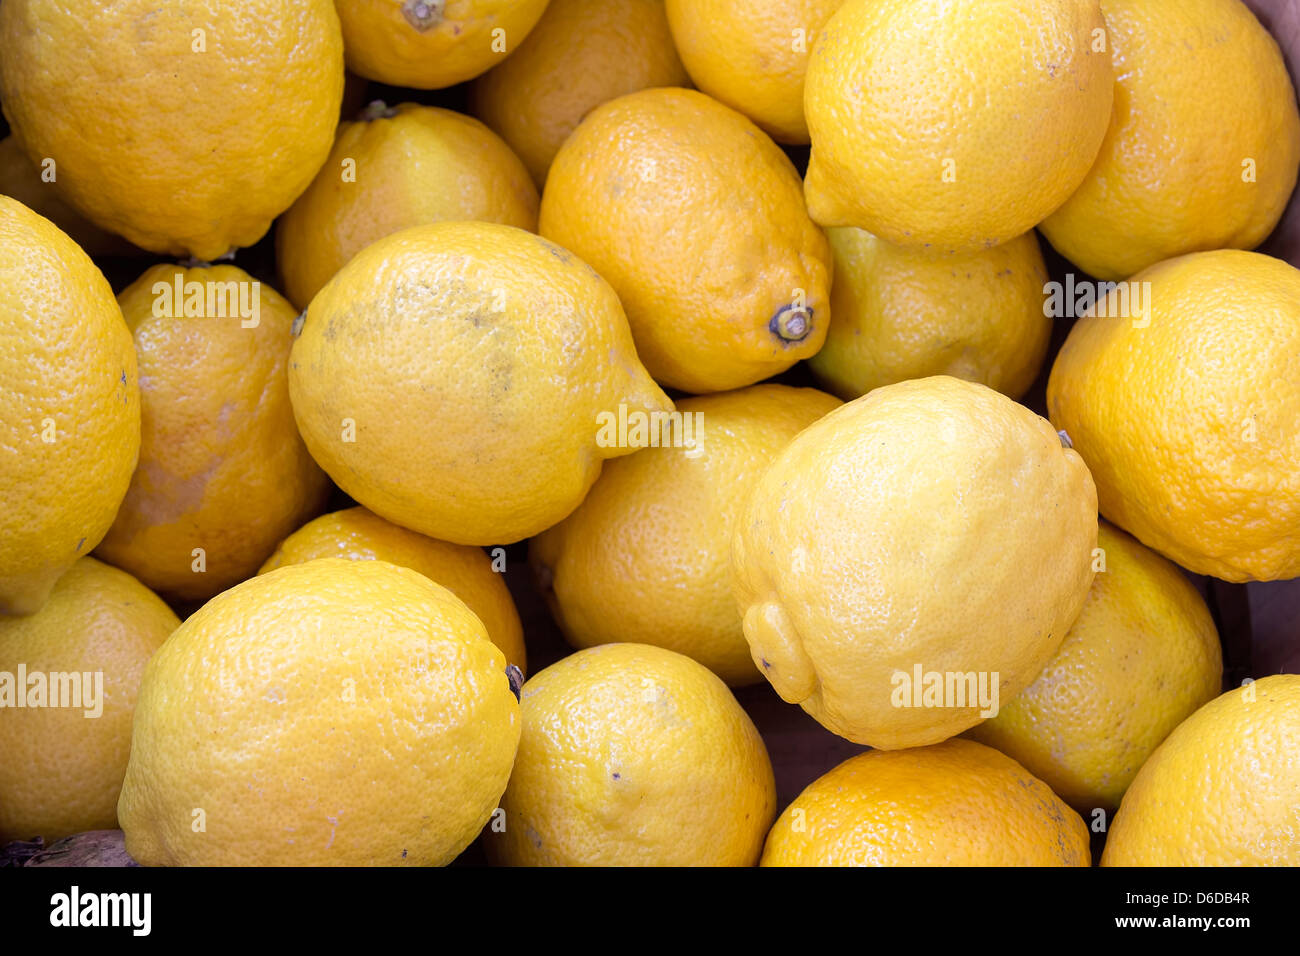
646, 557
634, 756
451, 376
466, 572
1222, 790
70, 432
329, 713
62, 756
1142, 656
957, 803
898, 312
697, 220
954, 124
886, 548
1187, 411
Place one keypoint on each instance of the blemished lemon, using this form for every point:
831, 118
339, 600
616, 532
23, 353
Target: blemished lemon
954, 124
898, 312
634, 755
223, 475
63, 754
1187, 410
329, 713
465, 571
1203, 146
646, 557
1140, 658
581, 53
451, 377
70, 432
697, 220
957, 803
155, 133
888, 543
393, 168
1222, 790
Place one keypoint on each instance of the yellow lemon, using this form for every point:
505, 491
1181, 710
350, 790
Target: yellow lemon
646, 557
697, 220
880, 562
1181, 390
1222, 790
156, 135
1142, 656
450, 379
634, 756
329, 713
70, 432
898, 312
957, 803
68, 681
954, 124
465, 571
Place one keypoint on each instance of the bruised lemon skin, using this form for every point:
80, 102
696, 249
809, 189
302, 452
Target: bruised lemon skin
337, 713
957, 803
842, 589
70, 432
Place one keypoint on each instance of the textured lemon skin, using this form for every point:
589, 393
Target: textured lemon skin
634, 755
329, 713
473, 360
1191, 425
840, 587
752, 55
423, 164
171, 148
466, 572
456, 44
1141, 657
221, 465
646, 558
581, 53
67, 372
957, 803
60, 770
1222, 790
954, 124
696, 219
898, 312
1200, 88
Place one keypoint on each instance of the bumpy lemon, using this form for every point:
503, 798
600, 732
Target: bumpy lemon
955, 124
429, 44
451, 377
184, 127
898, 312
889, 543
634, 756
697, 220
330, 713
1203, 146
581, 53
63, 754
466, 572
646, 557
70, 431
223, 475
393, 168
1222, 790
1187, 411
752, 55
1141, 657
957, 803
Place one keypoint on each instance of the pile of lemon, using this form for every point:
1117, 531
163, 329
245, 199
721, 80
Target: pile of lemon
553, 320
